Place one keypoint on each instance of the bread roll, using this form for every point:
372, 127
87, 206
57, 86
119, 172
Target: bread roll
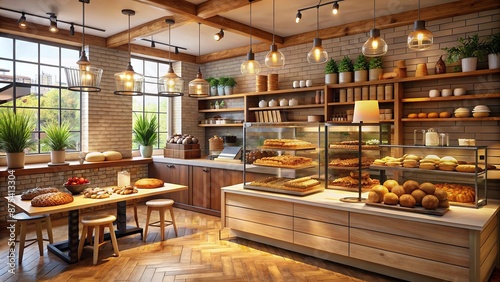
413, 115
410, 186
374, 197
391, 199
112, 156
428, 166
390, 183
444, 115
51, 199
407, 200
149, 183
441, 195
432, 115
95, 157
418, 195
444, 204
428, 188
398, 190
422, 115
381, 190
430, 202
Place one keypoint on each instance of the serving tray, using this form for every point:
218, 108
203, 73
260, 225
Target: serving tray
313, 164
315, 189
417, 209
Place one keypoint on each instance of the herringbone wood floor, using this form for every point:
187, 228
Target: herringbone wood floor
196, 254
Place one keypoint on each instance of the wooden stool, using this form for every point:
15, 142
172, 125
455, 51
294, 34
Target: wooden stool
98, 223
160, 205
22, 220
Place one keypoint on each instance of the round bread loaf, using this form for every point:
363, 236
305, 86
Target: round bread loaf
51, 199
428, 188
112, 155
390, 183
428, 166
441, 194
407, 200
398, 190
467, 168
410, 186
381, 190
444, 204
95, 157
391, 199
432, 115
422, 115
32, 193
374, 197
444, 115
430, 202
149, 183
413, 115
418, 195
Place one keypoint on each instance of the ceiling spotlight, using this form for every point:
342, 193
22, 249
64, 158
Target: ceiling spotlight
22, 22
176, 51
219, 35
72, 29
335, 8
153, 45
53, 22
298, 17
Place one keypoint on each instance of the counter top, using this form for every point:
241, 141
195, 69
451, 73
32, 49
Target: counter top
461, 217
201, 162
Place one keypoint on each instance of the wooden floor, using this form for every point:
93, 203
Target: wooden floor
196, 255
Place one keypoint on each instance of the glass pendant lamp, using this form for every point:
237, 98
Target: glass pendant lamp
84, 78
170, 85
250, 66
420, 38
199, 87
317, 55
375, 46
128, 82
274, 59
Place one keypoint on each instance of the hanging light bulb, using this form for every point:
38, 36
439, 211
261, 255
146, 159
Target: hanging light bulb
219, 35
274, 59
170, 85
84, 78
53, 23
22, 22
375, 46
298, 17
317, 55
199, 87
420, 38
336, 7
128, 82
250, 66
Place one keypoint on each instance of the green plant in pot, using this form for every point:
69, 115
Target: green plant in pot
145, 134
229, 85
360, 69
222, 85
15, 136
214, 83
375, 68
492, 48
58, 138
345, 70
331, 72
468, 52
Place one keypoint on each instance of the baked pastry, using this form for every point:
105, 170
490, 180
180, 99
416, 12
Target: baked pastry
398, 190
284, 161
149, 183
391, 199
441, 194
407, 200
51, 199
457, 192
374, 197
381, 190
303, 182
32, 193
355, 174
432, 115
418, 195
287, 143
444, 204
412, 115
354, 162
468, 168
390, 183
444, 115
430, 202
112, 156
410, 185
422, 115
428, 188
95, 157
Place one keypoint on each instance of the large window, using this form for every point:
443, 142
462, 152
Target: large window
32, 80
150, 103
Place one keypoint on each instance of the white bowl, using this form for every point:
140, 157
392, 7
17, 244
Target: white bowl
434, 93
446, 92
459, 91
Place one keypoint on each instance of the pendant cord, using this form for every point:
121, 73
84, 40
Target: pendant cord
273, 22
418, 9
129, 39
250, 24
169, 46
83, 27
199, 40
374, 14
317, 21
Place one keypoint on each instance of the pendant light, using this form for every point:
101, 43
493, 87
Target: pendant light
274, 59
199, 87
128, 82
250, 66
317, 55
170, 85
420, 38
84, 78
375, 46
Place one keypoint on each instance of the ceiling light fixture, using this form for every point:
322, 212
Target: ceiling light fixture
317, 55
128, 82
22, 23
170, 85
72, 30
420, 38
375, 46
53, 22
219, 35
84, 78
153, 45
336, 7
274, 59
250, 66
199, 87
176, 50
298, 17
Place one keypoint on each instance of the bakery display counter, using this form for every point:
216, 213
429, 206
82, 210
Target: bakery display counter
460, 245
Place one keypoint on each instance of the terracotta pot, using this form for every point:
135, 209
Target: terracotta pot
15, 160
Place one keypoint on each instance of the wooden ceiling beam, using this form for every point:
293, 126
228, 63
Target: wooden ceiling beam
242, 29
213, 8
175, 6
158, 53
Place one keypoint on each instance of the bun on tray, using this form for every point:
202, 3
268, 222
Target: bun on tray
149, 183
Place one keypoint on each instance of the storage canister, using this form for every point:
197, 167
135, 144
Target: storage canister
389, 92
431, 137
373, 92
357, 94
350, 95
380, 93
342, 95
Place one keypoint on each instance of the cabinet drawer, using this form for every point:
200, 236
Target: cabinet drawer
322, 229
425, 231
409, 263
411, 247
261, 217
321, 243
260, 229
257, 203
321, 214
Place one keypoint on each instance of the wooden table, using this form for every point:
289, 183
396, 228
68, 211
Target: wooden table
68, 250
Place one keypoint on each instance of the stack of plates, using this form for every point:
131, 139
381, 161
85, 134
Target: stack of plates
462, 112
481, 111
261, 83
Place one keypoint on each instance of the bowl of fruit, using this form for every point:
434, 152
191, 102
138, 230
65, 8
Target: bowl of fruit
76, 184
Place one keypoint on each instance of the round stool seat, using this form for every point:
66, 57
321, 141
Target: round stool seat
159, 203
23, 216
93, 220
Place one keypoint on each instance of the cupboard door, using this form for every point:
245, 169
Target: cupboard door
172, 173
201, 187
220, 178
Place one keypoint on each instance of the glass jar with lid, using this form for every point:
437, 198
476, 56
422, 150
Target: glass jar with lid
431, 137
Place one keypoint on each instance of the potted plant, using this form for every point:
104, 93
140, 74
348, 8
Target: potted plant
360, 69
345, 70
214, 82
222, 85
492, 48
15, 136
229, 86
58, 138
375, 68
146, 134
468, 51
331, 72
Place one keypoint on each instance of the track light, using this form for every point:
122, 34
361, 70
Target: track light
22, 22
298, 17
53, 22
72, 30
335, 8
219, 35
153, 45
176, 50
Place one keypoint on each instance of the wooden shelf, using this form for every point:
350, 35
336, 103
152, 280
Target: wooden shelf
222, 125
221, 110
286, 91
450, 119
287, 107
452, 98
233, 96
352, 103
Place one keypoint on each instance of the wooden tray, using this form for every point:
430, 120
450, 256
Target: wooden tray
315, 189
417, 209
285, 148
314, 164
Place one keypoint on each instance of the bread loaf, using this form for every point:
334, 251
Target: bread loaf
95, 157
112, 156
51, 199
149, 183
32, 193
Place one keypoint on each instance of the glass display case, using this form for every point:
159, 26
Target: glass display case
290, 153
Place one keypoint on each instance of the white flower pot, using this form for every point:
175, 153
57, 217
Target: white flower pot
360, 75
213, 90
493, 61
228, 90
146, 151
331, 78
15, 160
469, 64
345, 77
58, 157
220, 90
374, 74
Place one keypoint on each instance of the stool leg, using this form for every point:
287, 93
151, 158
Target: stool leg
83, 238
22, 241
17, 230
101, 231
39, 236
135, 214
147, 224
162, 223
48, 224
96, 244
171, 209
113, 239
